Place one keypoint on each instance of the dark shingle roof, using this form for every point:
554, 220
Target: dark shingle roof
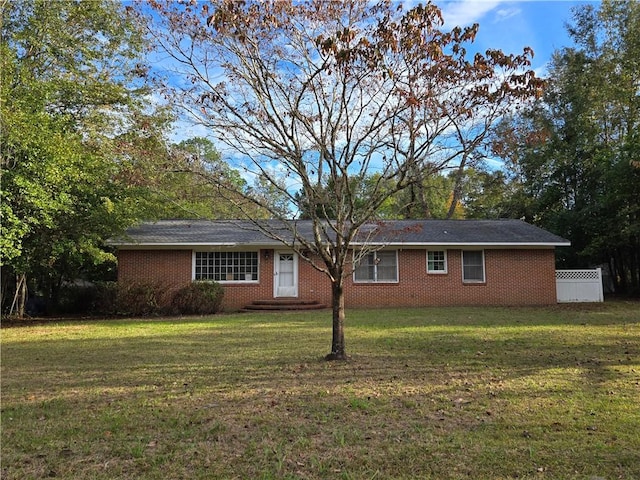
168, 233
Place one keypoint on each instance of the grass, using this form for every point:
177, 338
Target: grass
438, 393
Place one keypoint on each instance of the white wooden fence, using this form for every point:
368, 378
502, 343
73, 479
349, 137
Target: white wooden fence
579, 285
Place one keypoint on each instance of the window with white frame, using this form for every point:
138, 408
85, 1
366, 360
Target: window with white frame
379, 266
436, 261
473, 266
226, 266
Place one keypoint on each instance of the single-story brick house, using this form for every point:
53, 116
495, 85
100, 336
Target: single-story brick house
417, 263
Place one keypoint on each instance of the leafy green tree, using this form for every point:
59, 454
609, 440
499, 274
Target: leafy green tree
71, 93
430, 197
186, 188
575, 155
489, 194
433, 202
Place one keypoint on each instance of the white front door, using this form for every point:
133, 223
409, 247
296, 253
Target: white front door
285, 275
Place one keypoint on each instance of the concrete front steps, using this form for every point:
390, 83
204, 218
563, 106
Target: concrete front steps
281, 304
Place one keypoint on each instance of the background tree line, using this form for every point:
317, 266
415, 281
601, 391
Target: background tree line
86, 151
573, 159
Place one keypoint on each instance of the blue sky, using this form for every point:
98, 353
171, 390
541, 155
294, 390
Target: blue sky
512, 25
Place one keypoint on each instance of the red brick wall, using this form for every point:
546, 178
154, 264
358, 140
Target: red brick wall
166, 267
513, 277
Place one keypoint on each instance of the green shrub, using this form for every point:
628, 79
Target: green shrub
141, 299
91, 299
198, 298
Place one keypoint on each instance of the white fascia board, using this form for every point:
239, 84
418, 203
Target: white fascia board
354, 244
468, 244
173, 245
193, 245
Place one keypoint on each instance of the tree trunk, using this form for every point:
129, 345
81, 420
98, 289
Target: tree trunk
20, 297
338, 351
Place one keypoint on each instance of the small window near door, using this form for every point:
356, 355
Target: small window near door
436, 261
473, 266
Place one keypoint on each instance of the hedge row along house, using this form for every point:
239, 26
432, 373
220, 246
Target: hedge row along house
399, 263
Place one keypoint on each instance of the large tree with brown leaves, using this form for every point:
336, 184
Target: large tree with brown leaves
315, 93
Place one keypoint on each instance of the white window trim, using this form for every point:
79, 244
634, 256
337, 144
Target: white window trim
446, 264
484, 270
236, 282
379, 282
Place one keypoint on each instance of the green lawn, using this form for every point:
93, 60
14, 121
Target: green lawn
438, 393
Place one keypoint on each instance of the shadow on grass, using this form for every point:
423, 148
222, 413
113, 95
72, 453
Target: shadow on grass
254, 351
249, 396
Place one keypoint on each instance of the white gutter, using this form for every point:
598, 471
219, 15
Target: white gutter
186, 244
354, 244
470, 244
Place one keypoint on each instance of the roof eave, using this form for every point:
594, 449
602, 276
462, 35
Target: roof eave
173, 245
470, 244
355, 244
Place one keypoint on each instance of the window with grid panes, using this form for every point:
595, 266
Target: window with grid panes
227, 266
436, 261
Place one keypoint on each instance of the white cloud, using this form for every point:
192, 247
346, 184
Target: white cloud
466, 12
503, 14
184, 130
493, 164
542, 71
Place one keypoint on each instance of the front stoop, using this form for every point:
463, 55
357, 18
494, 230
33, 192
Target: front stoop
283, 304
